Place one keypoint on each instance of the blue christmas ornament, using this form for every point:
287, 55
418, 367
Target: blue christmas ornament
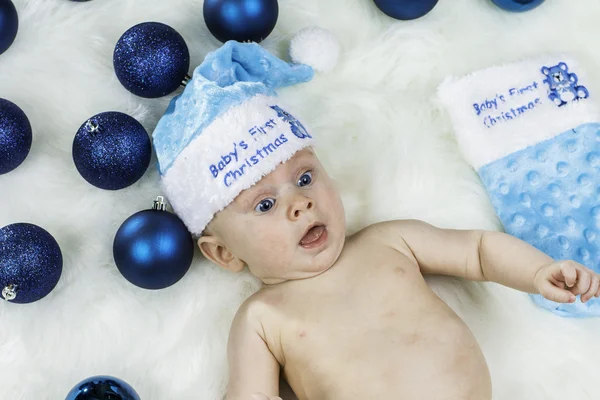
112, 150
15, 136
518, 5
30, 263
9, 24
241, 20
406, 9
153, 249
102, 388
151, 60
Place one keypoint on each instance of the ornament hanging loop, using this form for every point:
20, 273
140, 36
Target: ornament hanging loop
159, 204
9, 292
186, 79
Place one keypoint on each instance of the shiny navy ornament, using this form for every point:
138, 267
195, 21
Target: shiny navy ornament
15, 136
9, 24
102, 388
112, 150
406, 9
241, 20
518, 5
153, 249
30, 263
151, 60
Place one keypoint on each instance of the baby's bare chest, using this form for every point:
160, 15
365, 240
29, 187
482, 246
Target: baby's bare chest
371, 312
370, 323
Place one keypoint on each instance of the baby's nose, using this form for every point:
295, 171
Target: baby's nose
299, 205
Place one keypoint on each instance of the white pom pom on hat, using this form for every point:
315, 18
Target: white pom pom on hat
316, 47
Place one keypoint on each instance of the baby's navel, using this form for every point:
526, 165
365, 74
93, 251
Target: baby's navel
302, 334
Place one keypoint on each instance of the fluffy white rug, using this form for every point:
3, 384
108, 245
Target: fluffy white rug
382, 135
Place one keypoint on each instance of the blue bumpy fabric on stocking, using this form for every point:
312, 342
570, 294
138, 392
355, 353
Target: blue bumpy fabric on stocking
549, 196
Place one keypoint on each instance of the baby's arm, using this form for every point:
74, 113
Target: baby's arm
491, 256
253, 370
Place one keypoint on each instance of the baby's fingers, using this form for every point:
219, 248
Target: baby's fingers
569, 273
584, 279
593, 290
553, 293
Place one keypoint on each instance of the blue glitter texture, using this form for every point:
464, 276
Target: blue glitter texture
102, 388
9, 24
241, 20
151, 59
112, 150
30, 258
15, 136
153, 249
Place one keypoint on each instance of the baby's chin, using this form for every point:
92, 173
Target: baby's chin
316, 264
298, 269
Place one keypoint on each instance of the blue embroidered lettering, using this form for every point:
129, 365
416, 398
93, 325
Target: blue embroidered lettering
247, 163
490, 121
234, 153
214, 171
228, 175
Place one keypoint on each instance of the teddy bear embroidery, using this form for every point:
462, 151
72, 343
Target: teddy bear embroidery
296, 126
563, 85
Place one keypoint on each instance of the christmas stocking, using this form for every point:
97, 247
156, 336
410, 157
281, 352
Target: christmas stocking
531, 131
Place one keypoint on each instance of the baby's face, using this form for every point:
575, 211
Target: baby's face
290, 225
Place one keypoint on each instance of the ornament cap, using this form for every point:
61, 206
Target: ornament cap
92, 126
159, 204
186, 79
9, 292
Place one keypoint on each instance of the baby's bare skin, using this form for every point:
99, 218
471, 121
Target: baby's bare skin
369, 328
352, 317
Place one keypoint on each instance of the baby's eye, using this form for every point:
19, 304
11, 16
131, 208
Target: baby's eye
305, 179
265, 205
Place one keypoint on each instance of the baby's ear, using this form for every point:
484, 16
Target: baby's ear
215, 250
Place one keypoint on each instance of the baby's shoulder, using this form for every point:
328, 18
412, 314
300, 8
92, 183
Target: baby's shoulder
260, 305
387, 233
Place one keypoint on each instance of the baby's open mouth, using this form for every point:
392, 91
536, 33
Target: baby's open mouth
314, 237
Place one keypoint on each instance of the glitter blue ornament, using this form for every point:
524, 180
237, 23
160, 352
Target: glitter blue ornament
518, 5
406, 9
30, 263
241, 20
112, 150
15, 136
153, 249
151, 60
102, 387
9, 24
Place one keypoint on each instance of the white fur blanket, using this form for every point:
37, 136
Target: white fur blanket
385, 140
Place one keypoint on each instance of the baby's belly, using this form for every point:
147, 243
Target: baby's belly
426, 353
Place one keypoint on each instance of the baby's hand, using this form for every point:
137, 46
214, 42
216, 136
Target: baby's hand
562, 281
260, 396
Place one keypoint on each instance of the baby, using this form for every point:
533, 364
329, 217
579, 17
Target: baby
339, 317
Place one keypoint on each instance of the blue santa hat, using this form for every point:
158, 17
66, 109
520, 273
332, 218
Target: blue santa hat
227, 130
